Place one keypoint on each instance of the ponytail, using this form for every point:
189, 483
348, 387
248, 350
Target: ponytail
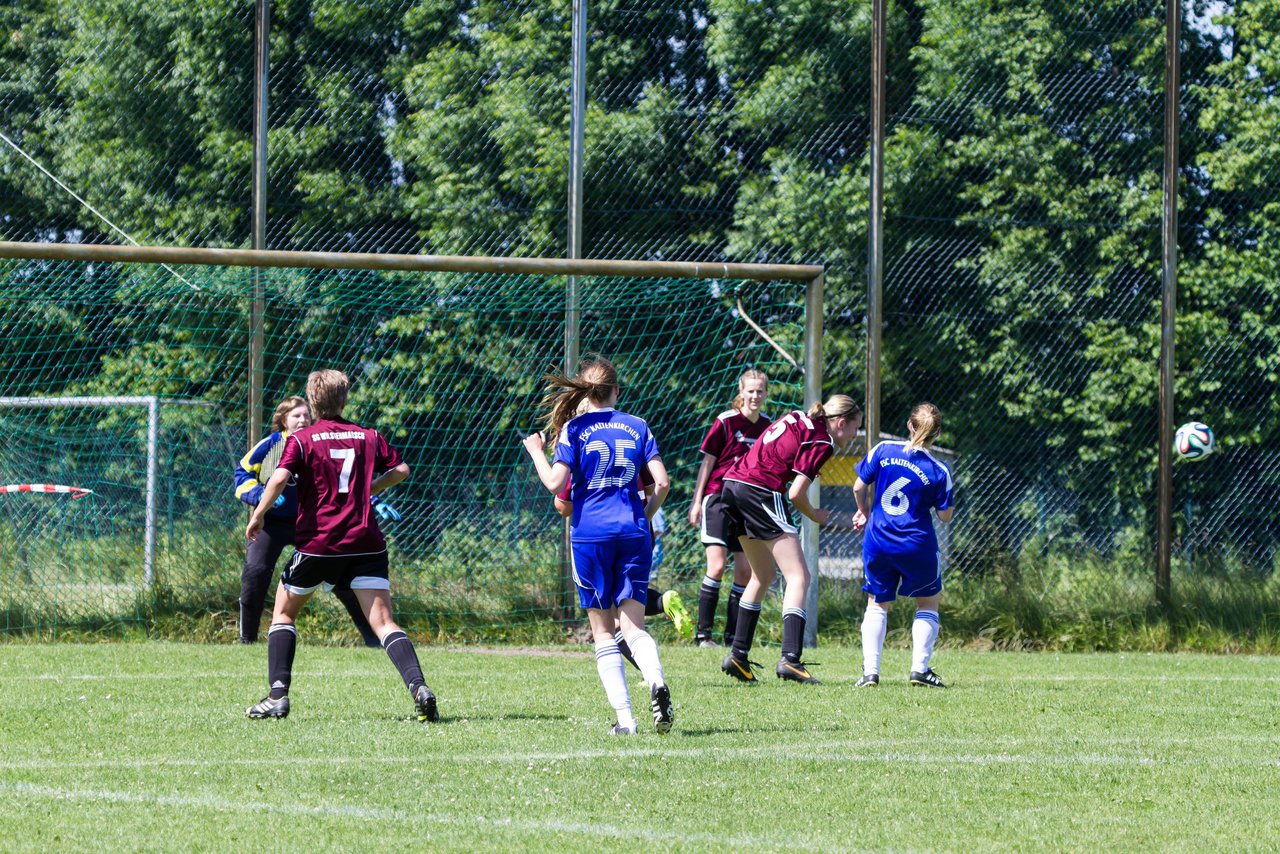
837, 406
925, 424
596, 381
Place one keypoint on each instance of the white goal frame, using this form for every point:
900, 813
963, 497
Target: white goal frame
152, 403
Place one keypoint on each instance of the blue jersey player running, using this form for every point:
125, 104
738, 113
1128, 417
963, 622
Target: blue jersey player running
900, 549
602, 451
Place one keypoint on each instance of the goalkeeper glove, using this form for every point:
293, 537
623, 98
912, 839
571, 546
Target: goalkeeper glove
385, 511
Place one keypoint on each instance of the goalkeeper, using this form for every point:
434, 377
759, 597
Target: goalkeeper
260, 559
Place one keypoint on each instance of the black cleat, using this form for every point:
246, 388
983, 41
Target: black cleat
424, 701
739, 669
796, 671
927, 679
868, 680
663, 713
269, 708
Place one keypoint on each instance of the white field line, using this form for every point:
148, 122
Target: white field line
970, 681
858, 752
594, 830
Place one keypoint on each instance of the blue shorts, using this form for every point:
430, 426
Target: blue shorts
911, 574
610, 571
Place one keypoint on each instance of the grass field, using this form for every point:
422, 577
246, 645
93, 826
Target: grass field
145, 747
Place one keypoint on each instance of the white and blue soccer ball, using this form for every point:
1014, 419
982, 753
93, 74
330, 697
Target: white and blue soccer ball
1193, 441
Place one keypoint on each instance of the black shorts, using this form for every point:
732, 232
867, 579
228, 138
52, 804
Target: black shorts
305, 573
718, 528
759, 513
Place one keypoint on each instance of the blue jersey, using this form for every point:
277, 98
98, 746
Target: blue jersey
605, 451
908, 483
254, 470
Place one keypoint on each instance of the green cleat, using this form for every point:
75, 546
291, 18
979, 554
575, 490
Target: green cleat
674, 608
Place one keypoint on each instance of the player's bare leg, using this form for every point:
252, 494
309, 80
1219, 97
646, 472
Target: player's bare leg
789, 556
377, 608
763, 571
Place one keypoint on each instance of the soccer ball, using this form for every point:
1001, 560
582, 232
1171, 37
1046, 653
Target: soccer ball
1193, 441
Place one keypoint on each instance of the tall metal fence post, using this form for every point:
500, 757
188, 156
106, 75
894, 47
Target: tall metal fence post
813, 320
1168, 302
153, 452
875, 250
573, 298
258, 310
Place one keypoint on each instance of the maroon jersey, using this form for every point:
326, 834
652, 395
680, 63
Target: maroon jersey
334, 462
728, 441
793, 445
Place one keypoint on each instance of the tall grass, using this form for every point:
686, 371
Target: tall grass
1068, 600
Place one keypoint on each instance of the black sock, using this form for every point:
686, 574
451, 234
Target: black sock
361, 622
731, 611
793, 620
624, 648
402, 654
653, 602
282, 643
708, 599
748, 617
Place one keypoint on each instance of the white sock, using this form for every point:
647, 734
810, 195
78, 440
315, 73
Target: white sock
924, 633
613, 674
645, 652
874, 623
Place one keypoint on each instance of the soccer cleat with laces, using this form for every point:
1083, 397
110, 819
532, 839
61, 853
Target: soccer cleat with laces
796, 671
269, 708
619, 729
674, 608
868, 680
664, 714
739, 669
925, 679
424, 701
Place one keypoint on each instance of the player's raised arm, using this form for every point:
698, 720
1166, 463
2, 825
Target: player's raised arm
553, 477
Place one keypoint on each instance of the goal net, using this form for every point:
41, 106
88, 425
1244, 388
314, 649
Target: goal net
448, 365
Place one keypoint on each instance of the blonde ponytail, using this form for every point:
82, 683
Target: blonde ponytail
925, 424
837, 406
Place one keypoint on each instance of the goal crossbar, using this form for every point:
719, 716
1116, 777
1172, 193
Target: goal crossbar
813, 277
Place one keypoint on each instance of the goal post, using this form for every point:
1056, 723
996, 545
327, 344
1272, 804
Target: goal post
438, 347
152, 405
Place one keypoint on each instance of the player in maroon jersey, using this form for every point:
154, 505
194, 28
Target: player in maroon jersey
728, 440
792, 450
335, 464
